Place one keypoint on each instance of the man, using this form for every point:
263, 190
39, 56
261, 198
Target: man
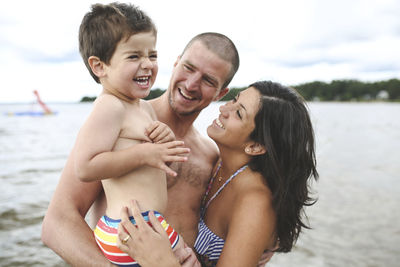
200, 75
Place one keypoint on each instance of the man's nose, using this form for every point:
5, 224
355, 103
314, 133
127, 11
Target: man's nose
193, 81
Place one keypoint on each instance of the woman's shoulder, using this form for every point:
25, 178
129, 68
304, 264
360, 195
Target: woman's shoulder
252, 191
254, 211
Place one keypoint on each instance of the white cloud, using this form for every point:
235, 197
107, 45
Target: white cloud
289, 41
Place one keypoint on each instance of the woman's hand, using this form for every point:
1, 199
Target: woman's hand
150, 245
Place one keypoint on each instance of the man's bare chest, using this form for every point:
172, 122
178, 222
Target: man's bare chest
195, 173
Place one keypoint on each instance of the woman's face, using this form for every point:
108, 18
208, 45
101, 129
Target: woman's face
236, 120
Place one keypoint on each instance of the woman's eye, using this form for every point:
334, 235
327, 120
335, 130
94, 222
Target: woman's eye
238, 113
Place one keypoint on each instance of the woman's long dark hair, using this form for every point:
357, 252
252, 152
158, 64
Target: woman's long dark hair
284, 127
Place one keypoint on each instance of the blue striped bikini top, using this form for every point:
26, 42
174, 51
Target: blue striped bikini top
208, 245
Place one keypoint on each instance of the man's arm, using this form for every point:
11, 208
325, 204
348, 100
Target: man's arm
64, 229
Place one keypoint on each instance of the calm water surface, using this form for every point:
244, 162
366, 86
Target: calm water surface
355, 222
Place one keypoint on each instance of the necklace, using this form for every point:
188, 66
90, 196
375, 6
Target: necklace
236, 173
205, 205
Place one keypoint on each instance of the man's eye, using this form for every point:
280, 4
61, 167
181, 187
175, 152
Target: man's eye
133, 57
187, 67
210, 83
153, 56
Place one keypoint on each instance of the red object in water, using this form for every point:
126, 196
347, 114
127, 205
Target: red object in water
41, 103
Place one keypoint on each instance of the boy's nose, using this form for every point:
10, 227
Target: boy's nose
147, 63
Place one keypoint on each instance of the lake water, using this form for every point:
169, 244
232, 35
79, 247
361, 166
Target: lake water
356, 221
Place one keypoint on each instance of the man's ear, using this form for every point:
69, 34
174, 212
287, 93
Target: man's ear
254, 149
177, 60
97, 66
221, 94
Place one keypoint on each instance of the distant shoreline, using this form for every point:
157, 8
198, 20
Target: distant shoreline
335, 91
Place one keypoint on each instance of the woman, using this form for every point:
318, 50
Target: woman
255, 199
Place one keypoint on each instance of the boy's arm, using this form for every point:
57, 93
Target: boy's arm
96, 139
95, 159
64, 229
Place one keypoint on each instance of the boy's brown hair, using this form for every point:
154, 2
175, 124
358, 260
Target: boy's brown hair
105, 26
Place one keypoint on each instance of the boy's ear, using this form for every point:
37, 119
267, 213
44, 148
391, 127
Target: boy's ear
221, 94
97, 66
255, 149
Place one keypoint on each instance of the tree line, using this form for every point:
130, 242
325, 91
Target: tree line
336, 90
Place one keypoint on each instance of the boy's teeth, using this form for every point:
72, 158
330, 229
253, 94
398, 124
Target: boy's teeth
142, 80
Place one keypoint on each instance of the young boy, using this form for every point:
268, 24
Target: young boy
121, 143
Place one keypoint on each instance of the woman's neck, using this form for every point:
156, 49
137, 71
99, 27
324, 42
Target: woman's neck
232, 160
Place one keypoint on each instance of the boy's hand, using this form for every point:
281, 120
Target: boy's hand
159, 132
159, 155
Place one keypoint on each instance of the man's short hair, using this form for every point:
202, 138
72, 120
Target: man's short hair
222, 46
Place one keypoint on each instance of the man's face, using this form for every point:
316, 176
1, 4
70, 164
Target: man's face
197, 79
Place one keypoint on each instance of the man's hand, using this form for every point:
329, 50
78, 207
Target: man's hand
186, 257
265, 257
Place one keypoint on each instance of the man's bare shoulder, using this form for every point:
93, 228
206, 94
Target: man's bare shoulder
203, 144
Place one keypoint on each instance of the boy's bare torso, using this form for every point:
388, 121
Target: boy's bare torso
185, 191
145, 184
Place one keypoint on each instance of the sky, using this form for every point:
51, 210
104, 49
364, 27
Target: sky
286, 41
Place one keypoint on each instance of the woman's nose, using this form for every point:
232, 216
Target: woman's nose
224, 109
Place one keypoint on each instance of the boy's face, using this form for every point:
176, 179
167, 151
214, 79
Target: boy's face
197, 80
133, 67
